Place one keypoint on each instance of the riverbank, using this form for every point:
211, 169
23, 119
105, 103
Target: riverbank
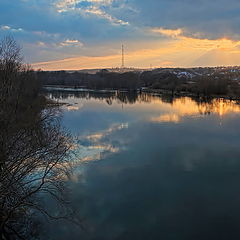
142, 90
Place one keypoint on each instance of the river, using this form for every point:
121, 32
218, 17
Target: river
152, 167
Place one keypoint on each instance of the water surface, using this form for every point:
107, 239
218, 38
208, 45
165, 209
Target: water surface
151, 167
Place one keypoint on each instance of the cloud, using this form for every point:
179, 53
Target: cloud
70, 42
5, 27
179, 52
41, 44
177, 31
10, 29
66, 5
202, 19
168, 32
95, 7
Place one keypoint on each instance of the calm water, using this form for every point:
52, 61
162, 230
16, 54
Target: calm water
152, 168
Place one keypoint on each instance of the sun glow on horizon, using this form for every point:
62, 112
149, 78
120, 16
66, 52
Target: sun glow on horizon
177, 51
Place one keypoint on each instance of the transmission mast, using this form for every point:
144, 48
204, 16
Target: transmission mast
122, 56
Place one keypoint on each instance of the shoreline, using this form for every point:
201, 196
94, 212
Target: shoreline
143, 90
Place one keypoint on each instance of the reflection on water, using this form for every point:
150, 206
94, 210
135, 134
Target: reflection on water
94, 146
167, 118
167, 168
183, 105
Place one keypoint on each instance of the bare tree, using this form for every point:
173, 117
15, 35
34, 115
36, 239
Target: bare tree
34, 149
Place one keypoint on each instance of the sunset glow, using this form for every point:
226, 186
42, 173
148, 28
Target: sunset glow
179, 51
77, 34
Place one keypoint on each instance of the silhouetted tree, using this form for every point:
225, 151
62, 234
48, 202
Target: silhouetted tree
33, 147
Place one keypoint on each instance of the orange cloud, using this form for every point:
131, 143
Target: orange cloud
168, 32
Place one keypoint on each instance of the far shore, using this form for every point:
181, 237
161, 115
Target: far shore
140, 90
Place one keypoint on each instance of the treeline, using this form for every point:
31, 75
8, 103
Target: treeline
111, 80
215, 83
101, 80
200, 85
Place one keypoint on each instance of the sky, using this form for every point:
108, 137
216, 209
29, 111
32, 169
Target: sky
81, 34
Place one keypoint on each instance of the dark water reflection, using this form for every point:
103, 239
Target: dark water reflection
152, 167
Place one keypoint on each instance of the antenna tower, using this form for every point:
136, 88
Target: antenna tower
122, 56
